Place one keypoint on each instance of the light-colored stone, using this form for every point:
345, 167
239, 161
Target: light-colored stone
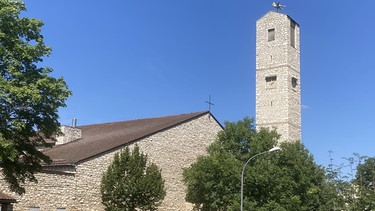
278, 103
77, 186
68, 134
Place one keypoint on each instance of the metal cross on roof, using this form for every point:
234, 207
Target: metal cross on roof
209, 103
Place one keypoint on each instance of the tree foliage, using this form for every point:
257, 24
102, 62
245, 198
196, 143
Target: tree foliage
129, 183
285, 180
364, 184
211, 182
29, 96
353, 191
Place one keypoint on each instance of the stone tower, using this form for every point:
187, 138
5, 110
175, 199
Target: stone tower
278, 92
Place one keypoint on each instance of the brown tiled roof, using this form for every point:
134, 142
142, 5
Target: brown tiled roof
4, 198
101, 138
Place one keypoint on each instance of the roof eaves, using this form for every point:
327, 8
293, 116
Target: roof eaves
4, 198
222, 127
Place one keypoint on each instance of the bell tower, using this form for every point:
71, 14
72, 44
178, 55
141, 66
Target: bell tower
278, 91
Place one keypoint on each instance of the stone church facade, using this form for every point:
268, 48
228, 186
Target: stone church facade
72, 181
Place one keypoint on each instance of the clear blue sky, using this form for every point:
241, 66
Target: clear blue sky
135, 59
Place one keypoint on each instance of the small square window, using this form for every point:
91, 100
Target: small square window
271, 82
271, 35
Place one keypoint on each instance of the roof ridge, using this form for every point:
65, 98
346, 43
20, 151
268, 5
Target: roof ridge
147, 118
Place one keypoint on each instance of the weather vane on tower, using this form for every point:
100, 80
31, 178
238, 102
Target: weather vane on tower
278, 6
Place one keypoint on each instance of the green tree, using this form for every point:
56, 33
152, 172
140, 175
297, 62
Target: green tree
285, 180
338, 193
364, 184
130, 183
29, 96
211, 182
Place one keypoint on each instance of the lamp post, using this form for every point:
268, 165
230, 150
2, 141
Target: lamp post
244, 167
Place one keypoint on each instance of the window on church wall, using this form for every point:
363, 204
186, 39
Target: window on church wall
34, 209
271, 35
292, 33
271, 82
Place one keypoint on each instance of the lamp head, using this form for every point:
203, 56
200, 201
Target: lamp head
274, 149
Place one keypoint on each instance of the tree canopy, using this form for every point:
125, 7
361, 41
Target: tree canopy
364, 184
283, 180
130, 183
354, 191
29, 96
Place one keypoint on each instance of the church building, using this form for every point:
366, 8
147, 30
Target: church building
83, 154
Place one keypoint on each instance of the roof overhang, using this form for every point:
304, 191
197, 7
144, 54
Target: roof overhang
6, 199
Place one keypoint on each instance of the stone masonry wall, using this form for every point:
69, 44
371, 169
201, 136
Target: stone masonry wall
172, 150
69, 134
53, 190
278, 103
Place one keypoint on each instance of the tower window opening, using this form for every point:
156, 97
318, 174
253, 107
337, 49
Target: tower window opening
294, 82
292, 33
271, 35
271, 82
271, 78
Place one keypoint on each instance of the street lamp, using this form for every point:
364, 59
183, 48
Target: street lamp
244, 167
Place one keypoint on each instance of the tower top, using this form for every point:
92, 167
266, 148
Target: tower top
277, 15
